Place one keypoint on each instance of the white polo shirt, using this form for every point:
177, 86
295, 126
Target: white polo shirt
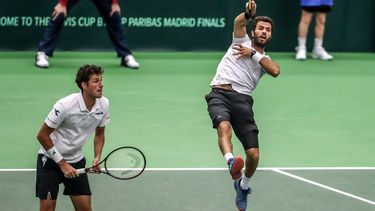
243, 74
74, 124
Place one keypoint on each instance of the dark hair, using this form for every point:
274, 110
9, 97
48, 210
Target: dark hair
264, 19
85, 71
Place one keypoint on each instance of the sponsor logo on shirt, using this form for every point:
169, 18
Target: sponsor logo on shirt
99, 113
56, 112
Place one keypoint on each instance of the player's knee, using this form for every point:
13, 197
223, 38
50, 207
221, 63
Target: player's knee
224, 127
253, 154
85, 207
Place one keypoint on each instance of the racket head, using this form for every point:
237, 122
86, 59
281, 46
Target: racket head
125, 163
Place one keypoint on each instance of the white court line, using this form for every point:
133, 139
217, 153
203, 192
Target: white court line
263, 168
278, 170
323, 186
225, 169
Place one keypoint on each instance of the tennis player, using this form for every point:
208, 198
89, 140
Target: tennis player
230, 102
72, 120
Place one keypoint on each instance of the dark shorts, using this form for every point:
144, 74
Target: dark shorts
312, 9
49, 177
237, 109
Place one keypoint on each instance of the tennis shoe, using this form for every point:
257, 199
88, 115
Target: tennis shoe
129, 61
41, 60
235, 166
241, 195
301, 53
321, 53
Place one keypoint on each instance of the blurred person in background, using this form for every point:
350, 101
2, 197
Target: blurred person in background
111, 13
319, 8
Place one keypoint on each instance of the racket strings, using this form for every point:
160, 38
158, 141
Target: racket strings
125, 163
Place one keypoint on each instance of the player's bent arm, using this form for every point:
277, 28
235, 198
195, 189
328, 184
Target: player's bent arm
46, 142
240, 23
270, 66
43, 136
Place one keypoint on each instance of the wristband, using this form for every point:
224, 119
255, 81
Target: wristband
257, 57
247, 16
54, 154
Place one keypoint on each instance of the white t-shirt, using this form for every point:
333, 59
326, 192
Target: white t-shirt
243, 74
74, 124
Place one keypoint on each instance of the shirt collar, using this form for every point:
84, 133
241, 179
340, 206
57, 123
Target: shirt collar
82, 104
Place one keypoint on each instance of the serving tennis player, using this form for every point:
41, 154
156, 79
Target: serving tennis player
230, 102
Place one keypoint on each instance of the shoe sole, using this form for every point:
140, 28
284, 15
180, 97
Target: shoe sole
318, 57
239, 209
237, 168
134, 68
44, 67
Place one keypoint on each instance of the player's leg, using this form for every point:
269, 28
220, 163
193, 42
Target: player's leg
81, 203
303, 29
235, 164
79, 189
319, 52
247, 132
219, 111
48, 178
252, 159
224, 133
116, 33
47, 205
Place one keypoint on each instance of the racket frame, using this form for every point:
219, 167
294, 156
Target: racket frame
105, 171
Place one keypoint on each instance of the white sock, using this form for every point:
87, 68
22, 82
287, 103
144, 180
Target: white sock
228, 156
245, 183
302, 42
318, 43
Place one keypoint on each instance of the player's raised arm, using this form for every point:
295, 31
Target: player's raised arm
241, 21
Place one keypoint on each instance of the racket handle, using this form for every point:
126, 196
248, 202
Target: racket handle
81, 171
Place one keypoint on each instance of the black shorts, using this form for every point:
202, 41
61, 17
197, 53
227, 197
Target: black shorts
49, 176
312, 9
236, 108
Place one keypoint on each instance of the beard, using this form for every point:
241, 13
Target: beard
259, 43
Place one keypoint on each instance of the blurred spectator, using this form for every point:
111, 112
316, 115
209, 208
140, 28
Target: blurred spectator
110, 11
319, 8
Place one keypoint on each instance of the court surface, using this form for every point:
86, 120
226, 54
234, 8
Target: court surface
316, 141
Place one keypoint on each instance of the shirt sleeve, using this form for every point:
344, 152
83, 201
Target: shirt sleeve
56, 116
114, 1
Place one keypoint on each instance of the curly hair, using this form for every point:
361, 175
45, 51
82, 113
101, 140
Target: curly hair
85, 71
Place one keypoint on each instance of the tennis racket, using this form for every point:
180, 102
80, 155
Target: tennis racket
249, 7
123, 163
